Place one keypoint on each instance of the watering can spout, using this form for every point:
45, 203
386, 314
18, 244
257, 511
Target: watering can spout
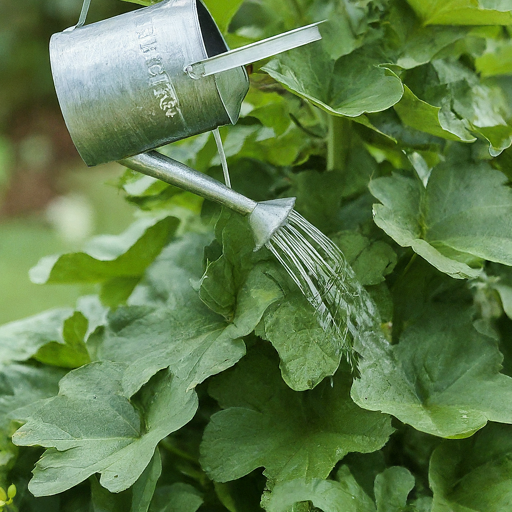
265, 218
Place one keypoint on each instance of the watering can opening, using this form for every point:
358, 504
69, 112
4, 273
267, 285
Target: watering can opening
232, 84
212, 38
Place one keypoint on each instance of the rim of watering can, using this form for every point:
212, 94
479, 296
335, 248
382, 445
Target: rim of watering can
215, 46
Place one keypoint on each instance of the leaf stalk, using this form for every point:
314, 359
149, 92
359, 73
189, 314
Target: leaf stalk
338, 142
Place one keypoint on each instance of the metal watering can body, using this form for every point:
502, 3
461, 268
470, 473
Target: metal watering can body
121, 82
135, 82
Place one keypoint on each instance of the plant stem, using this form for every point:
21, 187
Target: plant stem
176, 451
338, 142
297, 8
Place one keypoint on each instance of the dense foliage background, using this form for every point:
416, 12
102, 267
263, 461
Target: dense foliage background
196, 376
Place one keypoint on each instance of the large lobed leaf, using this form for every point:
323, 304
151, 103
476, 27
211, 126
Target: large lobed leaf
442, 378
460, 217
182, 333
110, 438
349, 86
291, 434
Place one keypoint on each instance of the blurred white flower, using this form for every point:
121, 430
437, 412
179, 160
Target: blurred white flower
72, 216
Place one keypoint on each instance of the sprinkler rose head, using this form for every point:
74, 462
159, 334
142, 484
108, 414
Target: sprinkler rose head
267, 217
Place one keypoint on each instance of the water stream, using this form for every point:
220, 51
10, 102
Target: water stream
322, 273
222, 155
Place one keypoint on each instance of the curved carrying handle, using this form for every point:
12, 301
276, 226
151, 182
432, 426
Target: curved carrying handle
82, 17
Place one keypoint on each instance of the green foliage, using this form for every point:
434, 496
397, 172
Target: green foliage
284, 431
198, 378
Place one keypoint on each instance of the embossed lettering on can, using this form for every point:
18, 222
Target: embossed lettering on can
158, 78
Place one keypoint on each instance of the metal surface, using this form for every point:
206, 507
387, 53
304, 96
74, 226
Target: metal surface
255, 51
265, 218
268, 217
121, 84
178, 174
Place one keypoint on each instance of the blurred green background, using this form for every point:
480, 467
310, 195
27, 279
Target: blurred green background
50, 201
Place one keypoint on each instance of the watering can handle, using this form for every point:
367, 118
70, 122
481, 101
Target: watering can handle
254, 52
82, 17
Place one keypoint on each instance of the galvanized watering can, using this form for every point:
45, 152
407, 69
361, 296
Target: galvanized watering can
132, 83
149, 77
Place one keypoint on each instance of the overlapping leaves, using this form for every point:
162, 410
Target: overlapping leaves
413, 84
461, 216
473, 474
344, 494
116, 262
292, 435
120, 446
442, 378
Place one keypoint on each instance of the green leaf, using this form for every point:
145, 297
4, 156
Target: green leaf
457, 105
308, 353
92, 427
442, 378
291, 434
327, 495
195, 342
55, 337
218, 289
437, 121
344, 495
71, 352
400, 215
21, 339
460, 216
496, 62
104, 501
124, 257
371, 261
144, 487
423, 504
350, 86
223, 12
183, 333
262, 142
392, 488
117, 290
178, 497
463, 12
271, 109
348, 25
319, 194
503, 286
473, 475
424, 43
21, 385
